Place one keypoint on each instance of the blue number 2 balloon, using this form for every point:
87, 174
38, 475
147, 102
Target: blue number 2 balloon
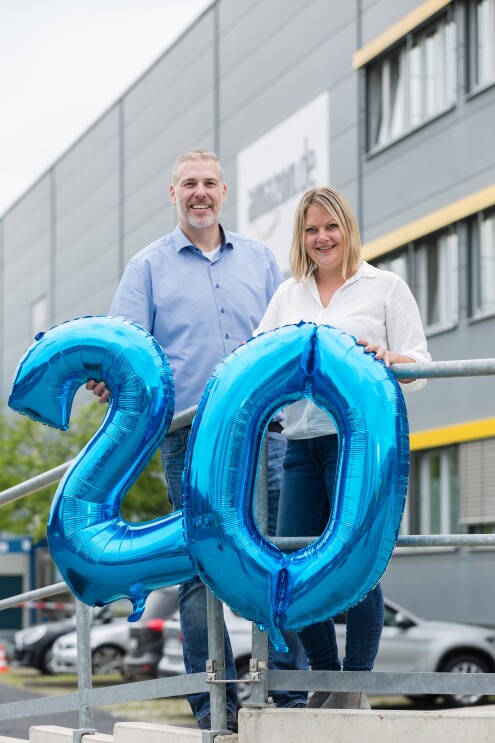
337, 570
101, 556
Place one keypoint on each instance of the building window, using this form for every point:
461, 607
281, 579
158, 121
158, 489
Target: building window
436, 279
482, 263
431, 268
386, 101
411, 84
434, 492
482, 42
395, 262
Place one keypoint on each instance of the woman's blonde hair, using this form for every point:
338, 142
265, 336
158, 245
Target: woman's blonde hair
338, 208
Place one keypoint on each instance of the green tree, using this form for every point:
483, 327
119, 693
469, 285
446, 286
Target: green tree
28, 449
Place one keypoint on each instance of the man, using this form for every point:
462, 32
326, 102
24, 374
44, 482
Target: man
201, 291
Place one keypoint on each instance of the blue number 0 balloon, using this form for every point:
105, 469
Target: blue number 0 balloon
337, 570
101, 556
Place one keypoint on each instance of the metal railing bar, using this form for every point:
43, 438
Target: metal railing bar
439, 369
38, 482
381, 682
44, 706
137, 691
37, 593
446, 540
174, 686
412, 540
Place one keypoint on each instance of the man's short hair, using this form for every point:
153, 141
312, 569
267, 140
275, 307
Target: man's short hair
198, 153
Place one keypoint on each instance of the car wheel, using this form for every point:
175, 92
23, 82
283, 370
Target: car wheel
243, 689
107, 659
465, 663
47, 665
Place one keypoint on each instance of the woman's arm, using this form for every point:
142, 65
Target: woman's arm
405, 334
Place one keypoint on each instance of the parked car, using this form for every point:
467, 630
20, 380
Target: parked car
408, 643
33, 646
145, 645
109, 643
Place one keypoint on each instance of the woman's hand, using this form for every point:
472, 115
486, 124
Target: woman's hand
99, 389
388, 357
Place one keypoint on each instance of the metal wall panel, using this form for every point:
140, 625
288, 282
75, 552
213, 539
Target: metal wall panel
87, 220
27, 265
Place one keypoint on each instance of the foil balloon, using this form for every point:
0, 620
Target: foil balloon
336, 571
100, 555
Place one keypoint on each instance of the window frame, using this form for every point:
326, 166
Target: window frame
477, 82
378, 76
447, 292
480, 306
419, 511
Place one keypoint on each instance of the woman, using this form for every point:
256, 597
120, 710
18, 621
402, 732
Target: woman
332, 285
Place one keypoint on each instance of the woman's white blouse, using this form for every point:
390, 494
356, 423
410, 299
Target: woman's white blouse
373, 305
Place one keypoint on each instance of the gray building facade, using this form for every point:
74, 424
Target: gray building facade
391, 101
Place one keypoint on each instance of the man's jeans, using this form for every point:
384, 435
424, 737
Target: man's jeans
192, 595
308, 486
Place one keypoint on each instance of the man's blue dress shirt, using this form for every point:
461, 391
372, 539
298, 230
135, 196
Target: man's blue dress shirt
198, 310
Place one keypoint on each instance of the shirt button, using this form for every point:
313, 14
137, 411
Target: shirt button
222, 310
227, 335
217, 286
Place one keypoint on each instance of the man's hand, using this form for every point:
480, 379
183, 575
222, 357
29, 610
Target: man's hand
99, 389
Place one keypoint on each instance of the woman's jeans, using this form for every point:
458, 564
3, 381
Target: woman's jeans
307, 491
192, 595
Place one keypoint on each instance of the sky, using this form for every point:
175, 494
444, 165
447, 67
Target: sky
65, 62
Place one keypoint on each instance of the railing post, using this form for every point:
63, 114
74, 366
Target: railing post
215, 667
84, 678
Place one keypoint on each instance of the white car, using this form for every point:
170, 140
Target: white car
109, 642
408, 643
108, 647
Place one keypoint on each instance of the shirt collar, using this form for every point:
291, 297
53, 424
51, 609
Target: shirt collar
365, 270
181, 241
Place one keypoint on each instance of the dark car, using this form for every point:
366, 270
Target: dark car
145, 644
33, 645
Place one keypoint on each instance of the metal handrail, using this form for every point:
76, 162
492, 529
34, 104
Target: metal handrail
86, 699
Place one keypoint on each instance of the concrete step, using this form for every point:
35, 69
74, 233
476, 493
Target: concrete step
475, 725
124, 732
269, 725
